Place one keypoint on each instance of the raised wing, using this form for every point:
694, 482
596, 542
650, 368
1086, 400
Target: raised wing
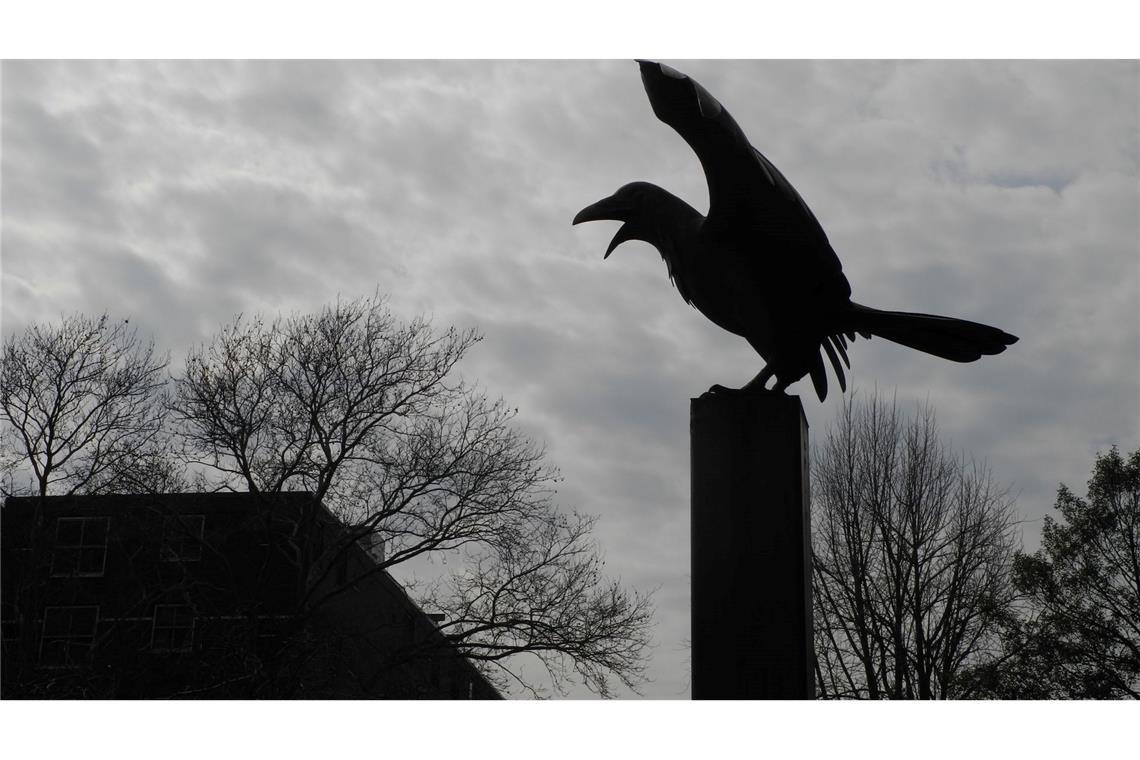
746, 191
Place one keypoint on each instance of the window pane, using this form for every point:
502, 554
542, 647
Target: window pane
69, 531
68, 634
95, 531
163, 616
81, 544
64, 561
180, 638
91, 561
83, 621
57, 621
173, 627
54, 652
78, 651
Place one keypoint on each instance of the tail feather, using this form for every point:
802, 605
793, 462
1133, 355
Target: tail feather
818, 376
955, 339
840, 344
828, 347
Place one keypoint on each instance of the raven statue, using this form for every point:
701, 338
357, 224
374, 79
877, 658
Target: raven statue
759, 265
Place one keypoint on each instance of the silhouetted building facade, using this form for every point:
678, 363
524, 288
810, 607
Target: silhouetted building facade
219, 595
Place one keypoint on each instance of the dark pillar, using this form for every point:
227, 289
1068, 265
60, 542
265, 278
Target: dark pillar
751, 548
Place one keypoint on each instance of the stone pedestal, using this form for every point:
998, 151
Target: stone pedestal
751, 549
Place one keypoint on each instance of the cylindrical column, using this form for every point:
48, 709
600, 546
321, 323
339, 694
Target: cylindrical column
751, 548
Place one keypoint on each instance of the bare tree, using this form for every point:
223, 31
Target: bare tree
80, 404
363, 411
81, 411
913, 548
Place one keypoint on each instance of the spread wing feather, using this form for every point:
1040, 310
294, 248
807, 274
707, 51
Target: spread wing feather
746, 190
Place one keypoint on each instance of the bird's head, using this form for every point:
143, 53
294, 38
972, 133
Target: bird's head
645, 208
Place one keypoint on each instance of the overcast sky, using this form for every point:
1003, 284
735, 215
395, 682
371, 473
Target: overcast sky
179, 194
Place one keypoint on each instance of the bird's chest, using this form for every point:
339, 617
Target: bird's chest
722, 289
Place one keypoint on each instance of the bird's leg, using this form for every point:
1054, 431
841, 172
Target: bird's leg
755, 385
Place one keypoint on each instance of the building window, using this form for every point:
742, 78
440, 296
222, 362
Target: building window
173, 628
68, 635
182, 538
9, 624
9, 621
80, 546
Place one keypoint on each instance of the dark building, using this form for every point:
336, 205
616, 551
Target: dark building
219, 595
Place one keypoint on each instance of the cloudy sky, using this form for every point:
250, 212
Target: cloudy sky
180, 194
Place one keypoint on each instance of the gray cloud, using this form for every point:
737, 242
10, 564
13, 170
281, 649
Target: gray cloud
180, 193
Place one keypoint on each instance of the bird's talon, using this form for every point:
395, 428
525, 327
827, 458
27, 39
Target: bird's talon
720, 390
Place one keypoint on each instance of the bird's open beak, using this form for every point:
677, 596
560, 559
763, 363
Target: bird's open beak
608, 209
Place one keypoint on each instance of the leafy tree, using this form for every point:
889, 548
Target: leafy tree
1080, 638
912, 549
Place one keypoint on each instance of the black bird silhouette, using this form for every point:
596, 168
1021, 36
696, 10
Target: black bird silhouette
759, 265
